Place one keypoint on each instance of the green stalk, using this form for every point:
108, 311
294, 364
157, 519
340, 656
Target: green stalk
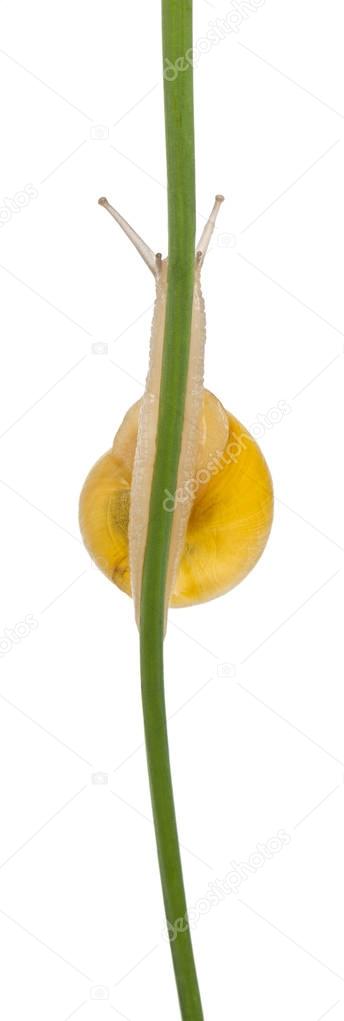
180, 153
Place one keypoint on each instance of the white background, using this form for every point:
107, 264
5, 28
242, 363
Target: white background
254, 680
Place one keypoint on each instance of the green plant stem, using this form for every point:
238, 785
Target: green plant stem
178, 94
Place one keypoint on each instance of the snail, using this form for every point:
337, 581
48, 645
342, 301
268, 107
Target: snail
223, 504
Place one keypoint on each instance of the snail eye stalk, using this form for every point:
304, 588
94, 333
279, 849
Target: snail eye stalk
206, 235
146, 253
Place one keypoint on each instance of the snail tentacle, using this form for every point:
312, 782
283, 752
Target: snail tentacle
146, 253
206, 235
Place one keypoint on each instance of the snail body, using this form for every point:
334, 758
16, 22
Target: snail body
223, 504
